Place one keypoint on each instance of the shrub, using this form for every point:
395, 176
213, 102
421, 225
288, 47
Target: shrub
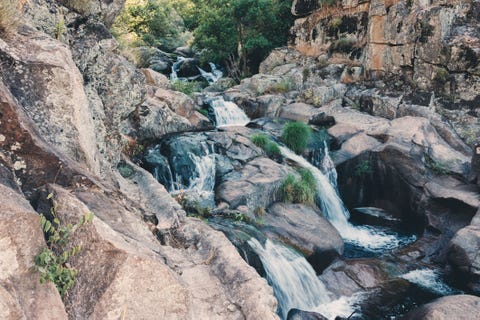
283, 86
52, 261
296, 135
299, 190
441, 75
437, 167
272, 150
344, 45
260, 140
8, 16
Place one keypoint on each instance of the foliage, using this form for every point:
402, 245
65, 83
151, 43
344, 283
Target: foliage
241, 31
441, 74
283, 86
297, 190
296, 136
363, 168
187, 87
152, 22
437, 167
263, 141
343, 44
8, 16
52, 261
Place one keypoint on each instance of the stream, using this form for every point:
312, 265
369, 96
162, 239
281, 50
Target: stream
185, 165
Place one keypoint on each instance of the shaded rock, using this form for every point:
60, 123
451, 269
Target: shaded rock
461, 307
475, 165
104, 10
304, 7
296, 314
254, 185
305, 229
22, 296
188, 68
322, 120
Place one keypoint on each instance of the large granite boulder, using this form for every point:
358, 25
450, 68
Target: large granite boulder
305, 229
461, 307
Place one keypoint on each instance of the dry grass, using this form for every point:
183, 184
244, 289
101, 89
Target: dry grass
9, 16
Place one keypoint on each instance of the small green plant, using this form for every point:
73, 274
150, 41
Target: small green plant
52, 261
283, 86
260, 140
437, 167
299, 190
363, 168
204, 112
305, 74
296, 136
335, 23
441, 74
263, 141
187, 87
60, 29
344, 45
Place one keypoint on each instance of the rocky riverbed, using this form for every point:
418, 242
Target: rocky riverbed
391, 87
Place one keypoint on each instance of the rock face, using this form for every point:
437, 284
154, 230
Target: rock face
21, 239
452, 307
305, 229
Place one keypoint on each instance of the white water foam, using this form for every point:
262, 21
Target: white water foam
228, 113
295, 283
429, 279
213, 76
335, 211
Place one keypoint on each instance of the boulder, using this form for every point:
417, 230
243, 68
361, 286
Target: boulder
305, 229
254, 185
104, 10
22, 296
41, 74
298, 111
296, 314
303, 8
156, 79
461, 307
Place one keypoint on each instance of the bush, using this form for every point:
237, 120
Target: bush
301, 190
296, 136
272, 150
8, 16
363, 168
260, 140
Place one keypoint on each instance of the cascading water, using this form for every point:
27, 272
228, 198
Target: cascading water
213, 76
176, 67
295, 283
335, 211
430, 280
328, 167
228, 113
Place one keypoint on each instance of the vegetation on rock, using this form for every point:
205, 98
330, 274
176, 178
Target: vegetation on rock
263, 141
8, 16
52, 261
296, 136
299, 190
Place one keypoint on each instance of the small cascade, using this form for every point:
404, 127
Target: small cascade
295, 283
430, 280
335, 211
328, 167
228, 113
175, 67
199, 179
213, 76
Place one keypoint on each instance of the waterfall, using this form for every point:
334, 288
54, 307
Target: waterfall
213, 76
228, 113
328, 167
295, 283
176, 67
335, 211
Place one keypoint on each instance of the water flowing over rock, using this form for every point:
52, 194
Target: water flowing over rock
228, 113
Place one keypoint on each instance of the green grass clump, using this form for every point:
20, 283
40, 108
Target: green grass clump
299, 190
296, 136
263, 141
260, 140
